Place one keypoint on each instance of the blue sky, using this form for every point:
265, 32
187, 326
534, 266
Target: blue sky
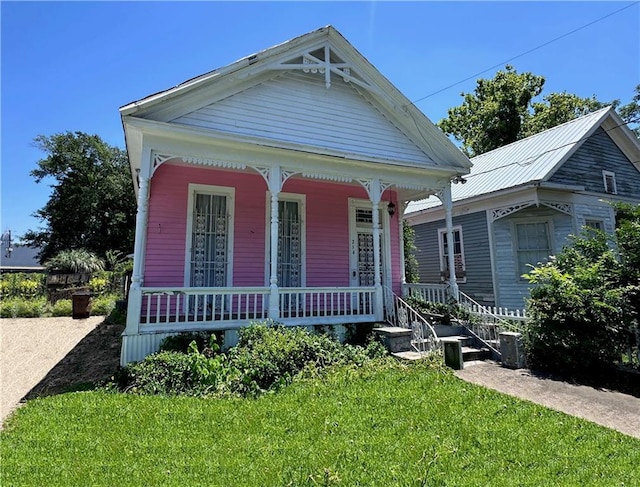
69, 66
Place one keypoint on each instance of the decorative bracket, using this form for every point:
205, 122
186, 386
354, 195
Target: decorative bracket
268, 173
565, 208
498, 213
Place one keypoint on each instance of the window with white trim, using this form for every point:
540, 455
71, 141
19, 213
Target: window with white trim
458, 254
609, 179
533, 245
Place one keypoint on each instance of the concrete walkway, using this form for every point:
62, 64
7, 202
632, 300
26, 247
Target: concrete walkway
607, 408
30, 348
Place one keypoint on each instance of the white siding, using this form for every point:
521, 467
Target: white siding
297, 108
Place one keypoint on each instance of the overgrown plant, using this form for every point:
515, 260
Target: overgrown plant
410, 260
584, 305
267, 357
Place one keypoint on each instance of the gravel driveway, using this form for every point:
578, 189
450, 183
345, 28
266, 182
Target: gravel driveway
31, 348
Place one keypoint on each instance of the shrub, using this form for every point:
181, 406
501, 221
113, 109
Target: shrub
270, 356
23, 308
266, 357
103, 305
160, 373
98, 285
580, 312
75, 261
62, 307
182, 341
175, 373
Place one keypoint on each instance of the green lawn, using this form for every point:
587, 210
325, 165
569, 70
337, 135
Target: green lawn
381, 427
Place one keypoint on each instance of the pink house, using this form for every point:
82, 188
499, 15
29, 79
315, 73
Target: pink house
274, 188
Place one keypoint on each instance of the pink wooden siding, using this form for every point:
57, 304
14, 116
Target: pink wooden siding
167, 229
327, 227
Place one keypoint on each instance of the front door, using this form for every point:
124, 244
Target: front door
362, 264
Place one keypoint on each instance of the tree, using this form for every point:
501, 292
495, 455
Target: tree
493, 115
630, 112
555, 109
501, 110
92, 204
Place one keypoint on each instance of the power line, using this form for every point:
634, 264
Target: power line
525, 53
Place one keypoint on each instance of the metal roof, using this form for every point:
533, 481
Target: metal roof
525, 161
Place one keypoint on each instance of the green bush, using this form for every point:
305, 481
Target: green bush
160, 373
99, 285
22, 284
62, 307
103, 305
581, 311
23, 308
175, 373
266, 358
181, 341
271, 356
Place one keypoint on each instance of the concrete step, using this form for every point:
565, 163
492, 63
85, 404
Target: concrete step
465, 341
409, 355
472, 353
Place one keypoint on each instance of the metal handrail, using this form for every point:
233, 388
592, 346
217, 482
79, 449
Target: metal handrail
398, 313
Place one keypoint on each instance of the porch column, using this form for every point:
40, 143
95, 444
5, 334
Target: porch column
402, 206
275, 185
135, 291
375, 195
448, 205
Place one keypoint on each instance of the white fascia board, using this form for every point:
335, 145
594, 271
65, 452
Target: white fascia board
133, 139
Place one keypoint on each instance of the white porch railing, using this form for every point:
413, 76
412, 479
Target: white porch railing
189, 308
432, 293
439, 293
327, 305
486, 325
509, 320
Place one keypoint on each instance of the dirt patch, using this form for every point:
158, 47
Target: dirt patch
44, 356
95, 358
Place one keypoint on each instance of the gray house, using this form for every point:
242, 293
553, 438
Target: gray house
520, 202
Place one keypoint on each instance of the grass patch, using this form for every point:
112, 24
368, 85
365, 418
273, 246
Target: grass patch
380, 425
